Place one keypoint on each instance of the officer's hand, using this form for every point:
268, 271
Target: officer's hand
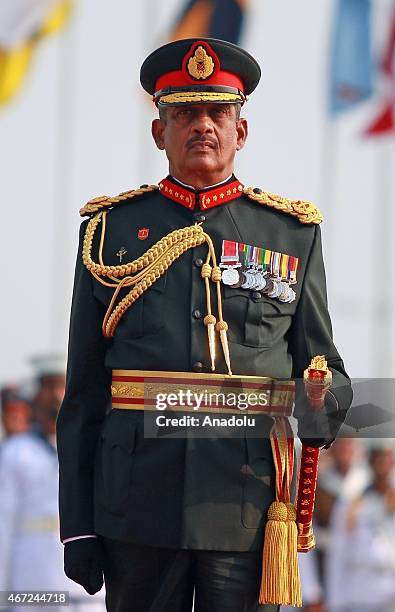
84, 563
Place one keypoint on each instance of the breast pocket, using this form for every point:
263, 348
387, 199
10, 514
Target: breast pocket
116, 457
255, 319
146, 315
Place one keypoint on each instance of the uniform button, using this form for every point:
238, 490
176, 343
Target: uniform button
257, 190
199, 262
197, 314
197, 367
256, 295
200, 218
143, 186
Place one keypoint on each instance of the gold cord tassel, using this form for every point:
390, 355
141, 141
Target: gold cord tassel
222, 327
280, 580
274, 583
294, 584
209, 321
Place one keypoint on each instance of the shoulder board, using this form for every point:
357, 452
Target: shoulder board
305, 211
93, 206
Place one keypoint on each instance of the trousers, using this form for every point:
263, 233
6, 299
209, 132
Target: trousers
148, 579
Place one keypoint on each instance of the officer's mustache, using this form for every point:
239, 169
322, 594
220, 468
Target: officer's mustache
202, 139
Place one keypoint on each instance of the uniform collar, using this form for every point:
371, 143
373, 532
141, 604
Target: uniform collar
187, 196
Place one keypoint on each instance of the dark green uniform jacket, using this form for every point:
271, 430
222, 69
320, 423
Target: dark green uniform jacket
193, 493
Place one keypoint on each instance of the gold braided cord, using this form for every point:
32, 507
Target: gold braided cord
149, 267
200, 96
101, 246
93, 206
145, 269
305, 211
141, 263
112, 319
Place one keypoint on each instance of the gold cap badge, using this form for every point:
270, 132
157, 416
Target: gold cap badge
200, 65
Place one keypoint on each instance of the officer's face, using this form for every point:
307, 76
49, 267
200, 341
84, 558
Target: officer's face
200, 139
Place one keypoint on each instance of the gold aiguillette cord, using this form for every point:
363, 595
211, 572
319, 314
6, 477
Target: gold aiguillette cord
149, 267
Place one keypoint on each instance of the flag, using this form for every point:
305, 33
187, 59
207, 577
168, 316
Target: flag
385, 120
23, 23
352, 63
211, 18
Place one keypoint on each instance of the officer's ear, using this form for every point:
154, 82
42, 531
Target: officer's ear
157, 131
242, 133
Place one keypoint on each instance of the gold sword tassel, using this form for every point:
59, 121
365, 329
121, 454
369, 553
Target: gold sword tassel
221, 326
209, 319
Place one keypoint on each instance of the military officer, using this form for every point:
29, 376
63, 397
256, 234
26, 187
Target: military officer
360, 568
31, 556
167, 519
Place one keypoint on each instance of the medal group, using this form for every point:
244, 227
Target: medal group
250, 267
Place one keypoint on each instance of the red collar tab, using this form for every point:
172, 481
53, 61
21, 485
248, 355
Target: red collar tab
207, 198
177, 193
221, 195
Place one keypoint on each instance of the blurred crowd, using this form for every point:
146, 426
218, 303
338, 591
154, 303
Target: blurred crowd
352, 568
31, 554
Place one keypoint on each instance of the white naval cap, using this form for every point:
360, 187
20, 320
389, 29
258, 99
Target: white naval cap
379, 444
49, 364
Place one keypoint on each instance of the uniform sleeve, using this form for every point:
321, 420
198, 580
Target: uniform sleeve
86, 400
335, 568
9, 509
311, 335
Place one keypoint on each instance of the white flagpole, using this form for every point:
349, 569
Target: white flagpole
327, 201
147, 166
382, 310
382, 319
63, 247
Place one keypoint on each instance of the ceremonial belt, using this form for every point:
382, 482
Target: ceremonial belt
139, 389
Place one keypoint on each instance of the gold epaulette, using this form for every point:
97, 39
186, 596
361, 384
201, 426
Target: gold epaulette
305, 211
93, 206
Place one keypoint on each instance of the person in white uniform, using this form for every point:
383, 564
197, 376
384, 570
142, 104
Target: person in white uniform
31, 554
361, 554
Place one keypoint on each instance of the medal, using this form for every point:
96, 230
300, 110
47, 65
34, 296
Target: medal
230, 263
260, 280
283, 291
275, 291
249, 278
249, 274
292, 267
292, 295
230, 276
288, 295
269, 286
259, 269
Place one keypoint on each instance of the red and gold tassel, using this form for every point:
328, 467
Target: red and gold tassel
280, 580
